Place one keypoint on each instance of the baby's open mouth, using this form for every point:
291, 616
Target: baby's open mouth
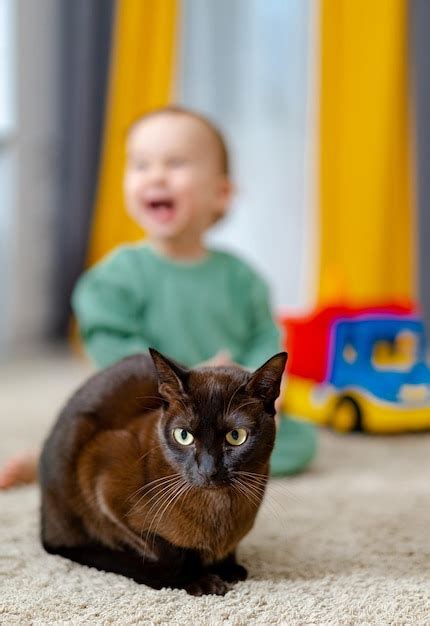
162, 209
160, 204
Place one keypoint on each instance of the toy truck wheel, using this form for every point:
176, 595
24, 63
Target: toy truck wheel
346, 415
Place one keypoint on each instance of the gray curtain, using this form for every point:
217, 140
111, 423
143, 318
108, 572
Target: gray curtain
420, 55
86, 27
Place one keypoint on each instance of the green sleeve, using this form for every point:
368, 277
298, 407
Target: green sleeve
264, 336
107, 305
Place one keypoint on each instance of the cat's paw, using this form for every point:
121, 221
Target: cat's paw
208, 584
233, 573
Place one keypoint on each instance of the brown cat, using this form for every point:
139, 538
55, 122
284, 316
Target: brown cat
157, 473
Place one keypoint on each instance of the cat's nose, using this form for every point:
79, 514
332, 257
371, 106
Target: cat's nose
207, 466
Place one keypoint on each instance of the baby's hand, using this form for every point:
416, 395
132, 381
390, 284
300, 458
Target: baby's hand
223, 357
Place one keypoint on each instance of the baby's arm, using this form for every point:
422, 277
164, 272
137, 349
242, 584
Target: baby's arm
107, 306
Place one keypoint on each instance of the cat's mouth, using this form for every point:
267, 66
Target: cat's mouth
211, 484
214, 486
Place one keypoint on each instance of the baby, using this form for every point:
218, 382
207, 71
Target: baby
171, 292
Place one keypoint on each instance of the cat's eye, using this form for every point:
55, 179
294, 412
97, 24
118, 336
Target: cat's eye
237, 437
183, 437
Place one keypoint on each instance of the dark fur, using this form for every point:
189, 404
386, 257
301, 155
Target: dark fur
114, 437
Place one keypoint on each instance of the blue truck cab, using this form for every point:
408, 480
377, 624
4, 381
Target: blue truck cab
378, 374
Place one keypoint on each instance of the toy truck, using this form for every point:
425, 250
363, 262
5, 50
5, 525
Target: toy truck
359, 369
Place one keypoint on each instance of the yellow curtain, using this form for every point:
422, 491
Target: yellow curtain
141, 76
366, 216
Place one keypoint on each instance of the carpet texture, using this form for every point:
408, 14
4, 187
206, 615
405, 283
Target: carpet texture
346, 543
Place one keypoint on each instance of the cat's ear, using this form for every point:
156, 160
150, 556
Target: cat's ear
172, 377
265, 383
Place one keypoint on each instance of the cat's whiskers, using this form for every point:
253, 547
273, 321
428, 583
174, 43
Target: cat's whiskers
273, 502
161, 483
159, 496
259, 491
164, 489
277, 497
261, 486
257, 481
182, 491
153, 482
161, 502
282, 489
258, 474
156, 497
238, 487
260, 481
256, 497
261, 477
143, 490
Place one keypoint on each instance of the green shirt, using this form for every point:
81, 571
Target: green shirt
135, 299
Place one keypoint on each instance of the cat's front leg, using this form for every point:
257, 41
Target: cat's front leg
229, 569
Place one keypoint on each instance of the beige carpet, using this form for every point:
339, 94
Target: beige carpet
346, 543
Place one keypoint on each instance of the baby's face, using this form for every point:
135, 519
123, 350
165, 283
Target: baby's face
173, 181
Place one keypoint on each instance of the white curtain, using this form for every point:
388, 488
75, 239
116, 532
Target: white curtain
247, 64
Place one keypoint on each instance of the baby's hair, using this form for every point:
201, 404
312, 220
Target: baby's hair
178, 110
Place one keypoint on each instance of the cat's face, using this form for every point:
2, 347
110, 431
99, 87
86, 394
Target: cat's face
218, 421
